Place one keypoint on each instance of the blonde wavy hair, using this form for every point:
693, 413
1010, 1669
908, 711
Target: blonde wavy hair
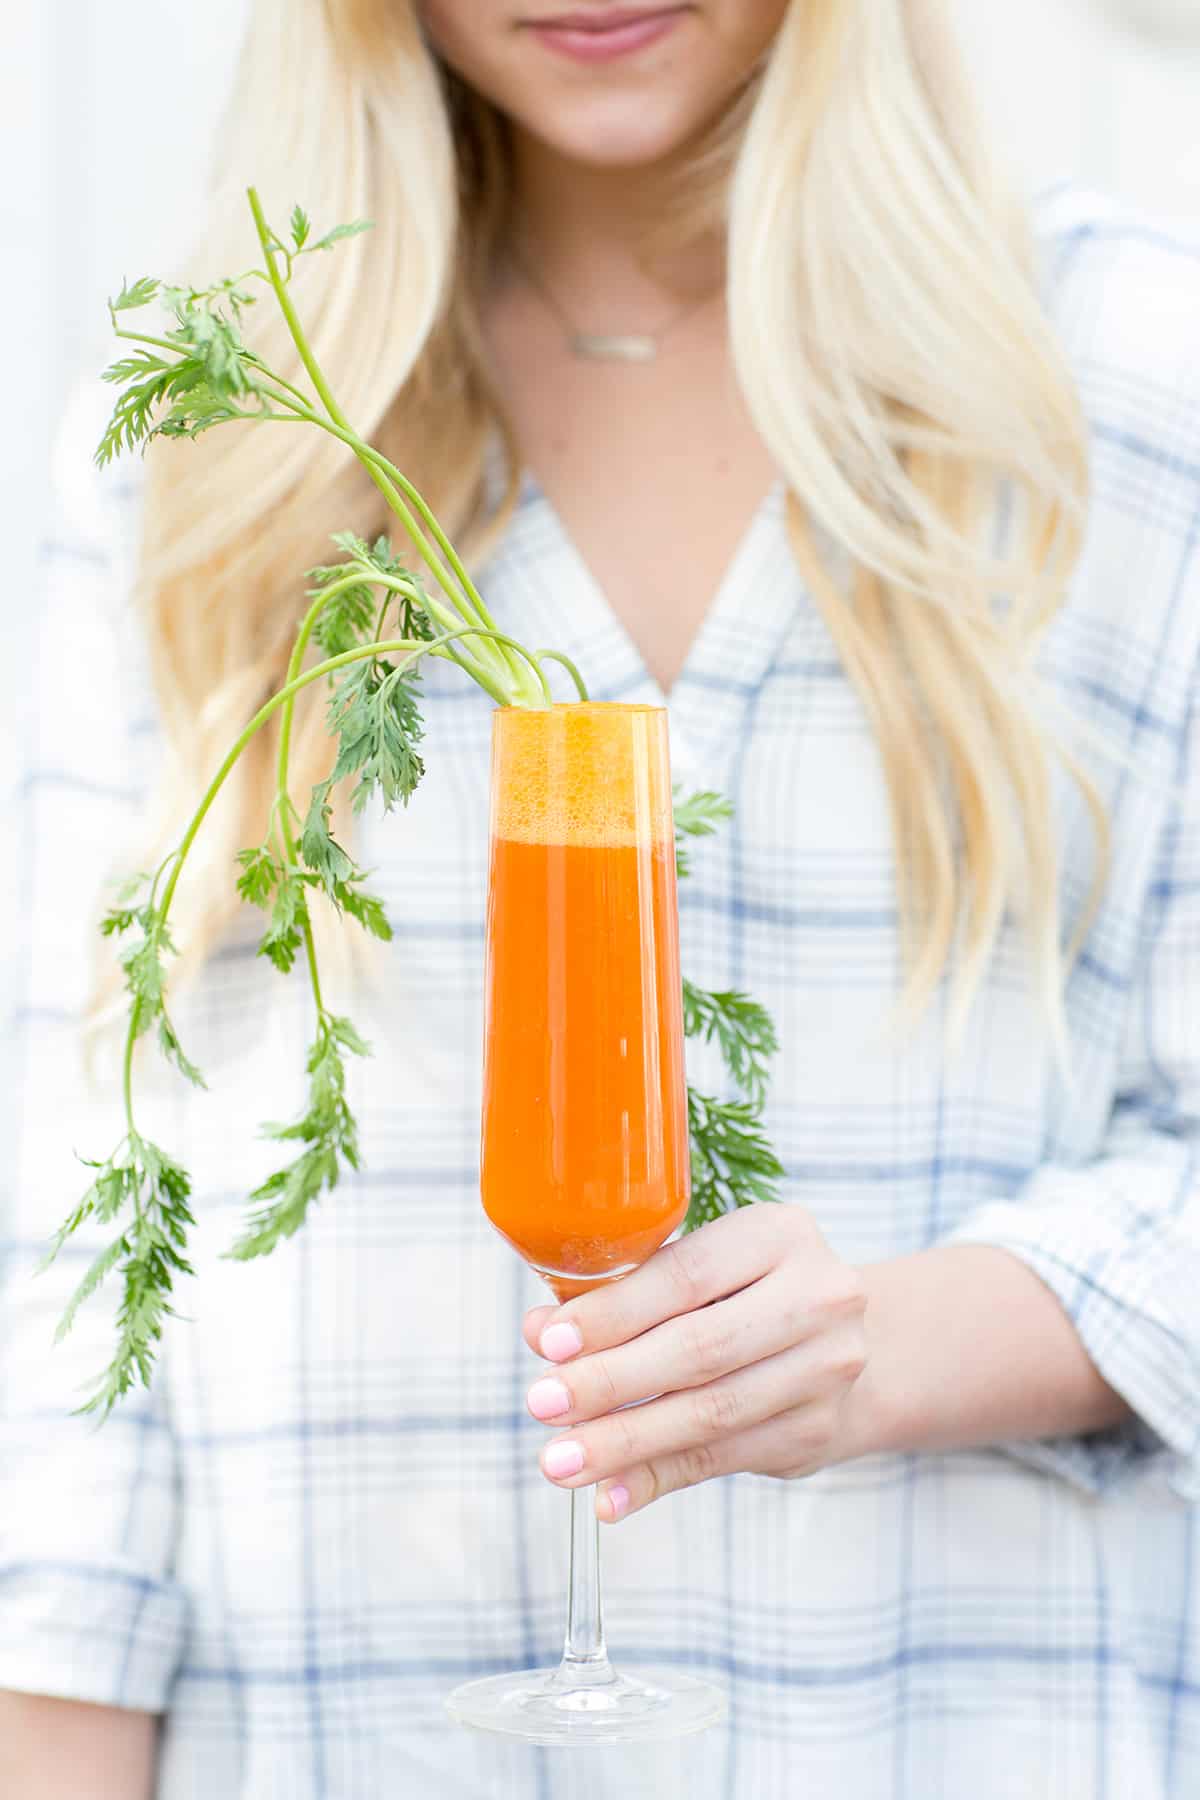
890, 344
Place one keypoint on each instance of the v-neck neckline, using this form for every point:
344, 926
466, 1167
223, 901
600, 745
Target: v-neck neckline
752, 607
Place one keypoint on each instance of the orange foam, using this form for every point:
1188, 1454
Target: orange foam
585, 773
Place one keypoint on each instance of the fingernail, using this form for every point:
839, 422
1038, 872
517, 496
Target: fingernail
618, 1499
559, 1341
561, 1460
547, 1399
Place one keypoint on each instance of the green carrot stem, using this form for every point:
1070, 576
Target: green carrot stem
560, 656
415, 648
127, 1067
310, 948
282, 798
297, 682
390, 481
466, 600
141, 337
508, 668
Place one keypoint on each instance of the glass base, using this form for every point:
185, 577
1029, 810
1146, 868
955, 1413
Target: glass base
577, 1705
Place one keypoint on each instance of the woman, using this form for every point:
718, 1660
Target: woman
925, 667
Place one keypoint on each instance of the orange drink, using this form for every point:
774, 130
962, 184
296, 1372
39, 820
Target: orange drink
585, 1130
585, 1138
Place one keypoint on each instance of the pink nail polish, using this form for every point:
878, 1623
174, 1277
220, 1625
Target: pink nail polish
561, 1460
548, 1399
618, 1499
560, 1341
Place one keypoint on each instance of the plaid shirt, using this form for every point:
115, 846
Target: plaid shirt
328, 1511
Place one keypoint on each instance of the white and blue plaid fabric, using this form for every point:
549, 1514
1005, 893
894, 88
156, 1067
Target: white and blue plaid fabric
328, 1512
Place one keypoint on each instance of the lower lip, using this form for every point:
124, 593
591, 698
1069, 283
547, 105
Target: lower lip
606, 46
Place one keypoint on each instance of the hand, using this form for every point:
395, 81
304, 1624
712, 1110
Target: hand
744, 1341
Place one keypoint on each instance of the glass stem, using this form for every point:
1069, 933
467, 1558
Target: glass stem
585, 1658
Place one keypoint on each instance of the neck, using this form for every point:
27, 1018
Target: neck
606, 231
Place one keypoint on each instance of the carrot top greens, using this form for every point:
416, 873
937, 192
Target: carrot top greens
373, 620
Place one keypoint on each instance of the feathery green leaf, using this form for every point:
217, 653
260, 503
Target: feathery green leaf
172, 1049
342, 231
259, 877
696, 815
329, 1133
153, 1191
134, 294
733, 1163
319, 848
289, 915
742, 1030
367, 909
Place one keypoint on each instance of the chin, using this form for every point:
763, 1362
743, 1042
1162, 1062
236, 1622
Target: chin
627, 134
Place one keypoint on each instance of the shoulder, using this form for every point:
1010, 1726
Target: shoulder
1124, 295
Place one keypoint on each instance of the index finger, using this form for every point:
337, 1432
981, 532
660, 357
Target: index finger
687, 1273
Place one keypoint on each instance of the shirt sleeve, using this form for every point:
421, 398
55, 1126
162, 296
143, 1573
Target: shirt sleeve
1117, 1240
89, 1609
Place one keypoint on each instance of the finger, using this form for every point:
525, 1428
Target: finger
769, 1316
691, 1272
679, 1422
788, 1445
533, 1324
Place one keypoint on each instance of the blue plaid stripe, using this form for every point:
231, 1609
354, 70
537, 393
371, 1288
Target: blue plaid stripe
329, 1510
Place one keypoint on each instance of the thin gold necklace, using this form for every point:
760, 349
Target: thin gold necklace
605, 346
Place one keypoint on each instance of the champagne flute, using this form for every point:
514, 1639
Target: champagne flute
585, 1163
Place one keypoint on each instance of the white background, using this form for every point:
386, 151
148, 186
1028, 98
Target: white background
94, 186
